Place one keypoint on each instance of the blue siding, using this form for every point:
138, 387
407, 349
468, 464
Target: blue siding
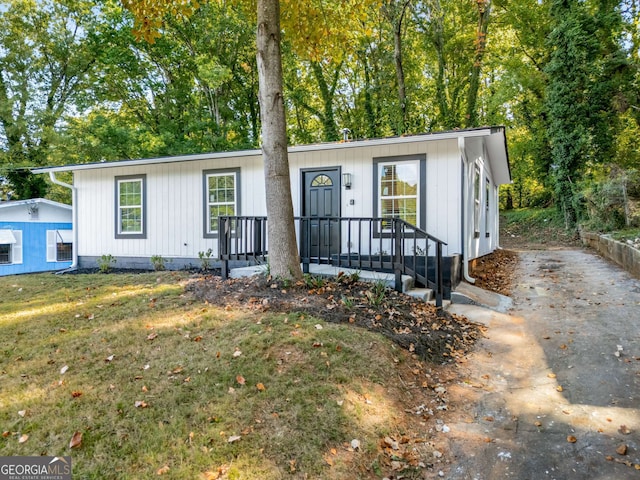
34, 247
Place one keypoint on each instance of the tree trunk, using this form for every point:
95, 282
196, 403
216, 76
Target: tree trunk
283, 250
484, 8
397, 55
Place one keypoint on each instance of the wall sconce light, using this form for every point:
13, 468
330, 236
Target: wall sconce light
346, 180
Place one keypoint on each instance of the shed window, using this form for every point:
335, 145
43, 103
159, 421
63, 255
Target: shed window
487, 208
221, 197
59, 245
10, 247
131, 207
476, 201
5, 253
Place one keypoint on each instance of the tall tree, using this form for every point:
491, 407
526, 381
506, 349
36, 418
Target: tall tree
283, 250
574, 46
48, 50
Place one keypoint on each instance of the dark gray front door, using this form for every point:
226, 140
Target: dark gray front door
321, 200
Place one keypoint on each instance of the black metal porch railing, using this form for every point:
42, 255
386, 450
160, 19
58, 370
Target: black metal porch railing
378, 244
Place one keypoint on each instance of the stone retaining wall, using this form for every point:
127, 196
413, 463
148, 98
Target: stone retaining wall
624, 255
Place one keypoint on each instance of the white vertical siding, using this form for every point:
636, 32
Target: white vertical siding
175, 197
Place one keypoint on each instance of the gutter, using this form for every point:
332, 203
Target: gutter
465, 213
74, 220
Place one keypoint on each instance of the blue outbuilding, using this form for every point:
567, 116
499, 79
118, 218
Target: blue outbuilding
36, 235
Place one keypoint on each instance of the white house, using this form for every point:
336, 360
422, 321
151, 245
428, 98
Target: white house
35, 236
444, 183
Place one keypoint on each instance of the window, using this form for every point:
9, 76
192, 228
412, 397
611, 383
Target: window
399, 188
399, 191
59, 245
131, 207
10, 247
476, 200
487, 193
5, 253
321, 181
221, 190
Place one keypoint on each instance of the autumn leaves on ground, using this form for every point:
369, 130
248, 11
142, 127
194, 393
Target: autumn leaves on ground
136, 377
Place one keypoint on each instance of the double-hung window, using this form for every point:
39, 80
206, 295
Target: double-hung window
221, 192
131, 207
399, 184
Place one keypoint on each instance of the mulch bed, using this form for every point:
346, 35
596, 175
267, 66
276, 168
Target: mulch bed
433, 334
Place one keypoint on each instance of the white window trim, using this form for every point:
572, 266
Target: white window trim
54, 237
15, 249
380, 167
207, 174
142, 179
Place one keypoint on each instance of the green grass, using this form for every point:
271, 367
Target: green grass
532, 226
627, 234
290, 395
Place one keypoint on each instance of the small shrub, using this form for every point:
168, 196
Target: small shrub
205, 259
158, 262
105, 263
312, 281
377, 293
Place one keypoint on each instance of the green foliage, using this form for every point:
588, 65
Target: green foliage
376, 293
159, 263
314, 281
610, 203
205, 259
106, 263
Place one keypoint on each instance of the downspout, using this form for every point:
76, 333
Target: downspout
465, 213
74, 219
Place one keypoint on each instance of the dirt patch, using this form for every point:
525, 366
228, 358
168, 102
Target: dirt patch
421, 328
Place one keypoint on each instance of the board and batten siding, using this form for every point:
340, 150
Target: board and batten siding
174, 207
175, 199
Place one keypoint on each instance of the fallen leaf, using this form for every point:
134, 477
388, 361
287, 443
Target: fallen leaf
22, 413
23, 438
240, 379
152, 336
563, 347
538, 424
198, 338
109, 358
76, 440
5, 434
261, 387
141, 404
64, 369
76, 393
355, 444
571, 439
559, 388
622, 449
163, 470
624, 430
237, 353
551, 375
234, 438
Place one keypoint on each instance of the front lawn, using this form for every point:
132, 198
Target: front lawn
148, 381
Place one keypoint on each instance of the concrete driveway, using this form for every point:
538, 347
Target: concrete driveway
553, 392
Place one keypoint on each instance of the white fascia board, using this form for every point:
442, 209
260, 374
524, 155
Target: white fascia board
15, 203
428, 137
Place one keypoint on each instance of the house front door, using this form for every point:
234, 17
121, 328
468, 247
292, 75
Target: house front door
321, 200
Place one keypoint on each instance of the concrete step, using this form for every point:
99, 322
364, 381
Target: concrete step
424, 294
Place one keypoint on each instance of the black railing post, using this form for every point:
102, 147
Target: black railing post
305, 244
438, 272
396, 239
223, 246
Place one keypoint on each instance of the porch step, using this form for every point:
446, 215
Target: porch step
424, 294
